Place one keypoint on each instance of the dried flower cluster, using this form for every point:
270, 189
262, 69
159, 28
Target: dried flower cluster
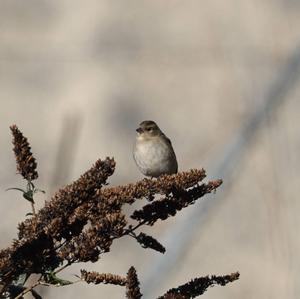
96, 278
149, 242
198, 286
26, 163
169, 205
81, 221
130, 281
132, 285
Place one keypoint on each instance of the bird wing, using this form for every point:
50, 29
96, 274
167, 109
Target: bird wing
168, 140
173, 152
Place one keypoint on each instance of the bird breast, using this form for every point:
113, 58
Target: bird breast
154, 157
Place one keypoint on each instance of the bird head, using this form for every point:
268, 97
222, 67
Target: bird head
148, 129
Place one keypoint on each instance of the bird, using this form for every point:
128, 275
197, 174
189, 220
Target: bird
153, 152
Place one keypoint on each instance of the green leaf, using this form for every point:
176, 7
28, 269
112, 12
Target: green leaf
18, 189
53, 279
28, 196
39, 190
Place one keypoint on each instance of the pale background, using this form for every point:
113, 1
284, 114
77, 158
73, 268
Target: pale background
78, 76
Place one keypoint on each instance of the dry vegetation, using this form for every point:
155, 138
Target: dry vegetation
81, 221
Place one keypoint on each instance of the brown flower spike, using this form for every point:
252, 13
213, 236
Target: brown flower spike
132, 285
106, 278
198, 286
149, 242
26, 163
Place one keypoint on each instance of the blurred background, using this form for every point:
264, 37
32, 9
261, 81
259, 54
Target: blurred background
222, 80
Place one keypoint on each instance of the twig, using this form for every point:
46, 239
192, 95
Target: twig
129, 231
63, 267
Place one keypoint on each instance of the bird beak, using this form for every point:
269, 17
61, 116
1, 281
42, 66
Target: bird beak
139, 130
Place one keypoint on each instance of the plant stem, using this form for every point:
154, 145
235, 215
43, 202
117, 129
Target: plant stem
62, 267
127, 232
33, 209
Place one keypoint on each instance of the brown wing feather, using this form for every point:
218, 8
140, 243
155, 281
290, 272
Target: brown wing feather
169, 141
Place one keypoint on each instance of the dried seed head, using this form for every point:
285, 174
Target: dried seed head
149, 242
26, 163
198, 286
132, 285
106, 278
147, 188
170, 205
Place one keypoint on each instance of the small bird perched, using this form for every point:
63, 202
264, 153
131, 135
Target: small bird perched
153, 152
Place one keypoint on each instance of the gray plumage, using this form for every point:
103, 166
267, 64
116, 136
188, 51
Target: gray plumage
153, 152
